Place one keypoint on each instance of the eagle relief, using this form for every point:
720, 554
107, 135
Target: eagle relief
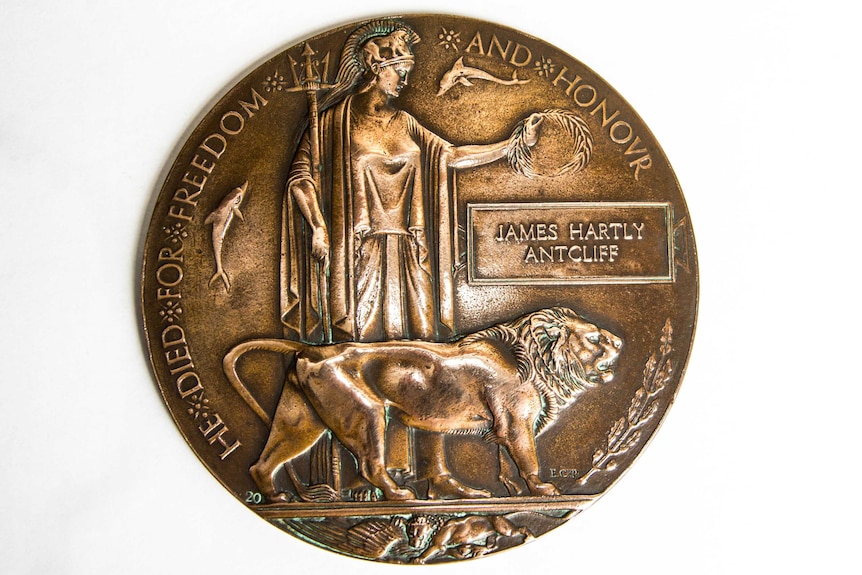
459, 300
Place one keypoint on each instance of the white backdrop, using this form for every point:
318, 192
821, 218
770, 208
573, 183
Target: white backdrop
755, 104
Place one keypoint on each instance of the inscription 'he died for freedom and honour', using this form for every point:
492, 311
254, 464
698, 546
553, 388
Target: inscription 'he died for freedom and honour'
570, 242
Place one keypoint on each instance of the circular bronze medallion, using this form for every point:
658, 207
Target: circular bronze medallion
419, 289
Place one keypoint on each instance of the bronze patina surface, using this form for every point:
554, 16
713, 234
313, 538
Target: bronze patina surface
419, 289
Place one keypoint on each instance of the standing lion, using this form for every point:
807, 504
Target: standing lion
507, 382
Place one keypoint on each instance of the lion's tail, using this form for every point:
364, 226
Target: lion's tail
282, 346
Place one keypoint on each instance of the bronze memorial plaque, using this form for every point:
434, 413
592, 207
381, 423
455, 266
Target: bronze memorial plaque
419, 289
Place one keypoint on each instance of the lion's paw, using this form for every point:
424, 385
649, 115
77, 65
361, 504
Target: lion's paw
400, 494
447, 487
542, 489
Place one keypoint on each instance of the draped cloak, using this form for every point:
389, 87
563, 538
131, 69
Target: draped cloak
358, 265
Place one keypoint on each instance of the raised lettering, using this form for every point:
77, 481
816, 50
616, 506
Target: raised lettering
571, 83
592, 95
603, 106
173, 335
196, 181
185, 390
177, 355
182, 195
632, 150
642, 163
203, 164
603, 231
477, 43
627, 130
167, 254
164, 275
240, 123
257, 101
527, 56
218, 140
495, 42
167, 293
211, 424
179, 213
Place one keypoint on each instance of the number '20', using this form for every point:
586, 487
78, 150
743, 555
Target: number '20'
253, 497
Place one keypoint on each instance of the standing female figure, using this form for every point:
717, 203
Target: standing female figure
369, 252
383, 220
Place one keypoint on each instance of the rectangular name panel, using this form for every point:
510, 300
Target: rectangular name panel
570, 243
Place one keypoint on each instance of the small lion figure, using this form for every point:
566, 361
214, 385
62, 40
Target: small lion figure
468, 537
507, 382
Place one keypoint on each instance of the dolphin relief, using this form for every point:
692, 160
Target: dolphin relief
461, 74
221, 218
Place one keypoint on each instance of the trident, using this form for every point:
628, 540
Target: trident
310, 83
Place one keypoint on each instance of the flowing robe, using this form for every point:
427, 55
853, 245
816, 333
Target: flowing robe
383, 283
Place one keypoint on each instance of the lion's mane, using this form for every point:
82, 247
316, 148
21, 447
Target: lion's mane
543, 351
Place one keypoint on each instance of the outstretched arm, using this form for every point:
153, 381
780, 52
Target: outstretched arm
479, 155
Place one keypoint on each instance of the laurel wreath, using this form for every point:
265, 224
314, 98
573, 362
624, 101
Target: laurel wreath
520, 154
627, 431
